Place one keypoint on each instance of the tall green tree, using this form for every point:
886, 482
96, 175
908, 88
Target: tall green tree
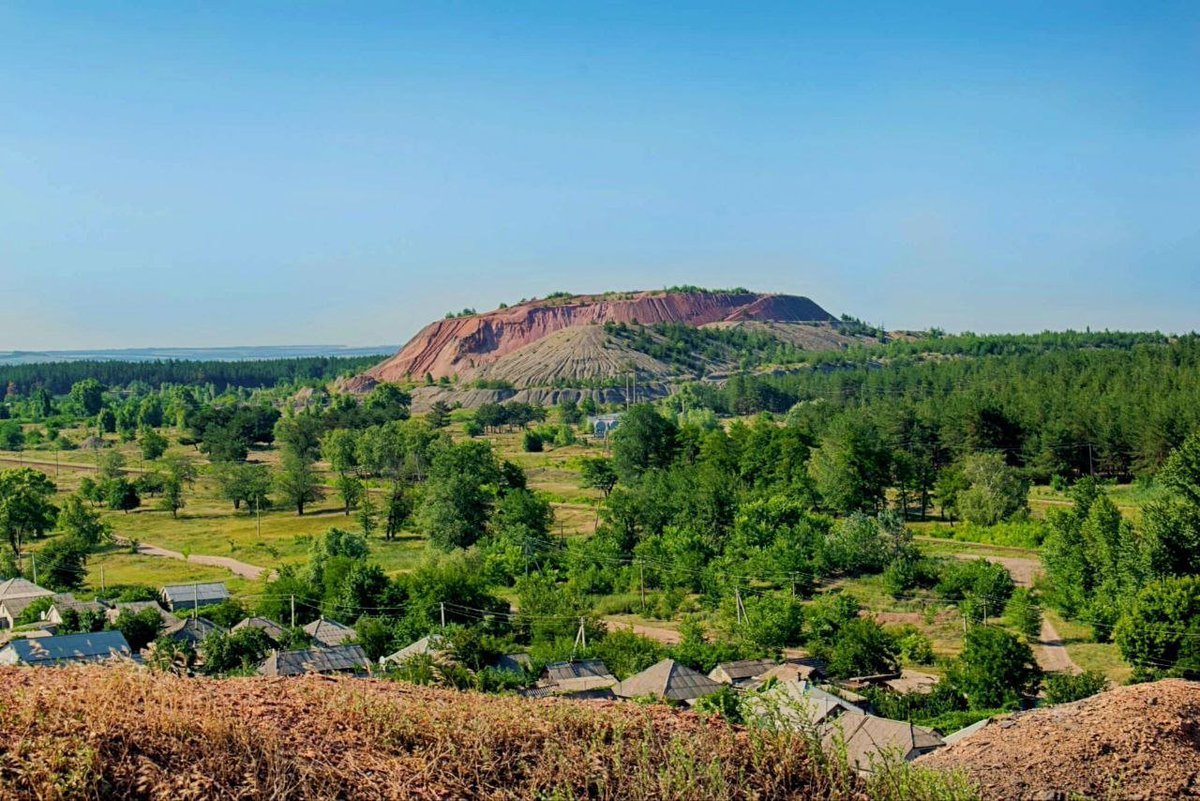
851, 466
644, 440
25, 506
297, 480
463, 481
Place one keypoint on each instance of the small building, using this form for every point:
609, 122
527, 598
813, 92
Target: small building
867, 739
573, 678
63, 604
797, 705
742, 672
268, 627
807, 669
328, 633
429, 645
65, 650
192, 631
349, 659
668, 681
194, 596
912, 681
17, 595
604, 424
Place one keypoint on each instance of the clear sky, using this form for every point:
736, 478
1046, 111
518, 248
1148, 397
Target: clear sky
186, 173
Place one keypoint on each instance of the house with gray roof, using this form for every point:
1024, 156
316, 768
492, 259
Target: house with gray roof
669, 681
193, 596
267, 627
568, 678
17, 595
867, 739
796, 705
741, 672
67, 649
351, 659
328, 632
192, 631
68, 603
429, 645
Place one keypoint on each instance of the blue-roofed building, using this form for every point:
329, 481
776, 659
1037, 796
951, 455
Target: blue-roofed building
194, 596
66, 650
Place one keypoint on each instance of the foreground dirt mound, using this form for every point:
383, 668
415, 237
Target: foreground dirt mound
1139, 742
463, 346
106, 732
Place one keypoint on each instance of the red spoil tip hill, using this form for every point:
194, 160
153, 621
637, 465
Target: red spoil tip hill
460, 346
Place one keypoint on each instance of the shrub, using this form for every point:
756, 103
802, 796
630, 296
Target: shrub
1062, 688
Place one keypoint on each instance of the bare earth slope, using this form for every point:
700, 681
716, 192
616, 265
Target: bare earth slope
116, 732
462, 347
1136, 742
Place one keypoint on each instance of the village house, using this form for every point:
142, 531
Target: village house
67, 649
742, 672
797, 705
667, 681
329, 633
135, 607
191, 631
351, 659
429, 645
193, 596
582, 679
867, 739
16, 595
268, 627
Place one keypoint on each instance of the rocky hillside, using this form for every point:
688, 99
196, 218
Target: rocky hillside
1137, 742
111, 732
570, 342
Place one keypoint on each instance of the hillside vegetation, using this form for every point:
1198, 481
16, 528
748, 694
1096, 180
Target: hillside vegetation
104, 732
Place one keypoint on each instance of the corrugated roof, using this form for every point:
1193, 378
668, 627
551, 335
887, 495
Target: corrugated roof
201, 593
327, 632
268, 627
67, 648
20, 588
741, 670
670, 680
964, 733
867, 738
568, 678
429, 644
339, 659
193, 630
797, 704
511, 663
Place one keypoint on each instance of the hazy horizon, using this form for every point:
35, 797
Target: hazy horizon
198, 176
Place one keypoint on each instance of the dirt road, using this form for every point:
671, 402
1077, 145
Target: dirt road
1050, 651
238, 568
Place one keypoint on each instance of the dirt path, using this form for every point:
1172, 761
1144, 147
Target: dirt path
1050, 651
243, 569
656, 633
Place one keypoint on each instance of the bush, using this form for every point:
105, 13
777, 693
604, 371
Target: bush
912, 645
1062, 688
531, 442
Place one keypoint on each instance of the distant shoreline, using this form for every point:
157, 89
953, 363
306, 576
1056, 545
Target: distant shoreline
229, 354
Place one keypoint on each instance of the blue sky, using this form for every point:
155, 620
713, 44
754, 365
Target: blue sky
208, 174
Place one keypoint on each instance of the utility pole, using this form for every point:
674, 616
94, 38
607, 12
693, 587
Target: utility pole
195, 600
101, 578
1091, 468
642, 582
739, 609
257, 517
442, 605
293, 611
33, 562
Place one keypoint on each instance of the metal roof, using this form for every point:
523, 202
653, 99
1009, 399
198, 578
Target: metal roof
327, 632
65, 649
268, 627
670, 680
187, 593
20, 588
192, 630
866, 738
339, 659
429, 644
741, 670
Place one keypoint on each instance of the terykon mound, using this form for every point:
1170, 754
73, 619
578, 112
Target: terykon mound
1136, 742
107, 732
